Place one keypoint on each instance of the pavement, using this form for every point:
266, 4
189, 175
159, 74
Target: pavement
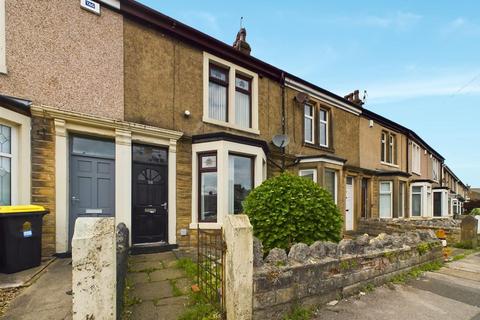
452, 293
48, 297
25, 277
159, 289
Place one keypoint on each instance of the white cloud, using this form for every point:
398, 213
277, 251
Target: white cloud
448, 85
462, 26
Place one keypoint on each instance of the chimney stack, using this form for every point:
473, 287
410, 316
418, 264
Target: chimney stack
241, 43
354, 97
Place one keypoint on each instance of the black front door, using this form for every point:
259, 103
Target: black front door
149, 188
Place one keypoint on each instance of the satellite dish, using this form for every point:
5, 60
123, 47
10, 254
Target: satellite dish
281, 140
301, 97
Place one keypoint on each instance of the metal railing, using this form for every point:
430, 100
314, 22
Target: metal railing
211, 249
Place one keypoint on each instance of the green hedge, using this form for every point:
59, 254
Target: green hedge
288, 209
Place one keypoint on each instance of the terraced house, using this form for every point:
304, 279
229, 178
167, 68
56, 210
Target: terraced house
168, 129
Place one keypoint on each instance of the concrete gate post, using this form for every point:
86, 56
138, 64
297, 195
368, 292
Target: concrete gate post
238, 234
94, 269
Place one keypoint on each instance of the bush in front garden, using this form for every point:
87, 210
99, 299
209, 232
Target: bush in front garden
475, 212
288, 209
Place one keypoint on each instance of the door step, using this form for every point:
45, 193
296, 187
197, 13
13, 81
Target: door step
155, 247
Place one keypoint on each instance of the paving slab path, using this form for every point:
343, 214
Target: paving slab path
47, 298
451, 293
159, 289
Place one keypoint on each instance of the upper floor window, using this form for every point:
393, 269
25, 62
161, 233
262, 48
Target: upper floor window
323, 127
218, 93
416, 158
3, 58
230, 95
309, 116
388, 148
316, 133
435, 170
243, 101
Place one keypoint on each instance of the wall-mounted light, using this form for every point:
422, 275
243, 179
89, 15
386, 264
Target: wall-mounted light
186, 113
370, 124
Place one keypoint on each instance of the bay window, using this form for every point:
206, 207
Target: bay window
309, 174
243, 101
401, 201
240, 181
6, 156
421, 202
386, 199
207, 187
218, 93
309, 128
330, 182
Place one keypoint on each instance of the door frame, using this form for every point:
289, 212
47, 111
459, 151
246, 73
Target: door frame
71, 225
168, 235
347, 211
123, 132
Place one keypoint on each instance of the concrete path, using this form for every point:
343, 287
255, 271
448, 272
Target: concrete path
159, 288
452, 293
48, 298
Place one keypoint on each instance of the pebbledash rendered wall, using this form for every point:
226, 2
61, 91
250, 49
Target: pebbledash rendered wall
313, 275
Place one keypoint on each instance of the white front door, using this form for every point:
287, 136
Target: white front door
349, 205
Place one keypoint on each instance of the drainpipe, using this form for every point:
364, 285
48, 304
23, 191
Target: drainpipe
284, 127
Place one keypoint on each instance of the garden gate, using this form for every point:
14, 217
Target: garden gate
211, 263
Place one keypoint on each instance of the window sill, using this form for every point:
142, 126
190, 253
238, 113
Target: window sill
314, 146
390, 164
416, 173
230, 125
205, 225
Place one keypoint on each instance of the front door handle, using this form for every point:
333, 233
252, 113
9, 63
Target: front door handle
164, 205
75, 199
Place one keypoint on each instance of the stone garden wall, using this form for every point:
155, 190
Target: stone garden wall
313, 275
377, 226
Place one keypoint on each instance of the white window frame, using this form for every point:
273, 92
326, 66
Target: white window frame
223, 149
326, 122
234, 70
383, 141
306, 172
402, 190
390, 183
416, 159
443, 205
312, 120
435, 169
335, 182
426, 198
3, 43
20, 154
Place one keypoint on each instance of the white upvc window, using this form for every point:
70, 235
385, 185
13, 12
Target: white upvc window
15, 158
386, 199
3, 51
421, 202
309, 174
223, 173
440, 203
323, 127
416, 158
330, 182
388, 148
7, 163
435, 169
309, 121
401, 200
230, 95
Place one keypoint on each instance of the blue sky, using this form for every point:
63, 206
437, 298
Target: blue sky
418, 60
